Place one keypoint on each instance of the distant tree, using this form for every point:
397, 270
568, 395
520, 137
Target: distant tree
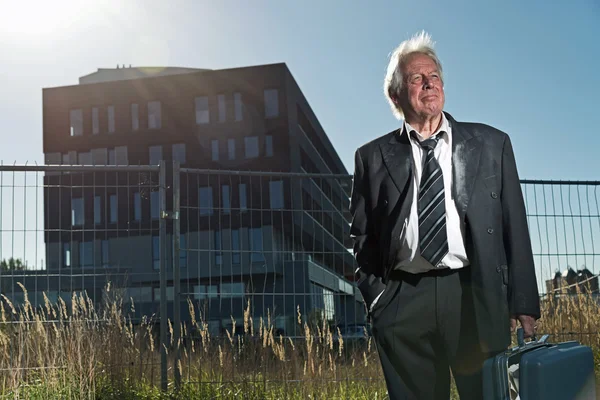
13, 264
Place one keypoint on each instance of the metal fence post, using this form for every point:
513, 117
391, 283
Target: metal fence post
176, 275
163, 277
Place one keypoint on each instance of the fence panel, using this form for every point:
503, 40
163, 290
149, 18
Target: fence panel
252, 273
267, 280
564, 226
79, 274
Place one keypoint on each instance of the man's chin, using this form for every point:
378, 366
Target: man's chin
431, 113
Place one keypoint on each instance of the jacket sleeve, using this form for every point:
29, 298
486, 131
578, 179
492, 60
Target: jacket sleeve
523, 293
366, 249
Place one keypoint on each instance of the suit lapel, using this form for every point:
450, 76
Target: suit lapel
466, 153
397, 158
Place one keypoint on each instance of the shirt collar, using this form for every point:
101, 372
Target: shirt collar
444, 127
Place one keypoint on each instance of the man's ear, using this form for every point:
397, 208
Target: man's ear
398, 95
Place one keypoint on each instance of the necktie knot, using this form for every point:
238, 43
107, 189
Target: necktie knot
427, 144
430, 143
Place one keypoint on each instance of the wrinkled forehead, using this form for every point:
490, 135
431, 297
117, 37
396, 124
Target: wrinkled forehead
419, 63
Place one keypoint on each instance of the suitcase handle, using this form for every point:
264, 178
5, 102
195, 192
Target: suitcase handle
521, 338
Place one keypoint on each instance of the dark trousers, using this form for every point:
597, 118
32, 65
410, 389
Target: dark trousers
423, 326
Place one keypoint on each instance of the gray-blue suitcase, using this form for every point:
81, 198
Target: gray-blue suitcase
547, 371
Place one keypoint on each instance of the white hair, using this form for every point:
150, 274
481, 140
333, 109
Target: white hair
419, 43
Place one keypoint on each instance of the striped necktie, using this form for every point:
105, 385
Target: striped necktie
433, 238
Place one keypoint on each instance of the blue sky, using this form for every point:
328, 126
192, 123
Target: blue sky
528, 68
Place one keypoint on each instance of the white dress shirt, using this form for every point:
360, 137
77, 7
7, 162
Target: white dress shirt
410, 256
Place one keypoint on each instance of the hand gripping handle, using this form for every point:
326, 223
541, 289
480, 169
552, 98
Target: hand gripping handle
521, 338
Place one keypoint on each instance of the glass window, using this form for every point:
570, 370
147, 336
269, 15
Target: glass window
105, 254
329, 304
205, 197
251, 144
135, 117
215, 150
121, 155
86, 254
222, 108
170, 293
155, 154
205, 291
137, 206
154, 115
112, 157
218, 247
141, 294
95, 121
256, 245
179, 153
85, 158
233, 289
99, 156
77, 217
226, 199
271, 103
111, 119
113, 209
269, 146
243, 199
67, 254
154, 205
276, 194
237, 102
317, 296
202, 111
76, 117
235, 246
231, 149
97, 210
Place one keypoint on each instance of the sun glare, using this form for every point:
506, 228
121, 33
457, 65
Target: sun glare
21, 19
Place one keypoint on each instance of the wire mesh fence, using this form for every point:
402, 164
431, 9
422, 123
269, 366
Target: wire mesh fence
224, 280
279, 241
268, 278
80, 255
564, 226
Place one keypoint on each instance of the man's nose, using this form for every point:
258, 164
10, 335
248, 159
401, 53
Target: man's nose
427, 83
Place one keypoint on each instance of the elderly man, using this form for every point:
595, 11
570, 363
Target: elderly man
444, 258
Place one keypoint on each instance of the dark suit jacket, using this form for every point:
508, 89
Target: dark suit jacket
488, 197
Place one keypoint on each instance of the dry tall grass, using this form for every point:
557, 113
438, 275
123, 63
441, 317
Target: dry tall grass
80, 351
573, 317
67, 351
318, 364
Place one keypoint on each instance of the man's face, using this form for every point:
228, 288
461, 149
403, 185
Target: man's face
422, 91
